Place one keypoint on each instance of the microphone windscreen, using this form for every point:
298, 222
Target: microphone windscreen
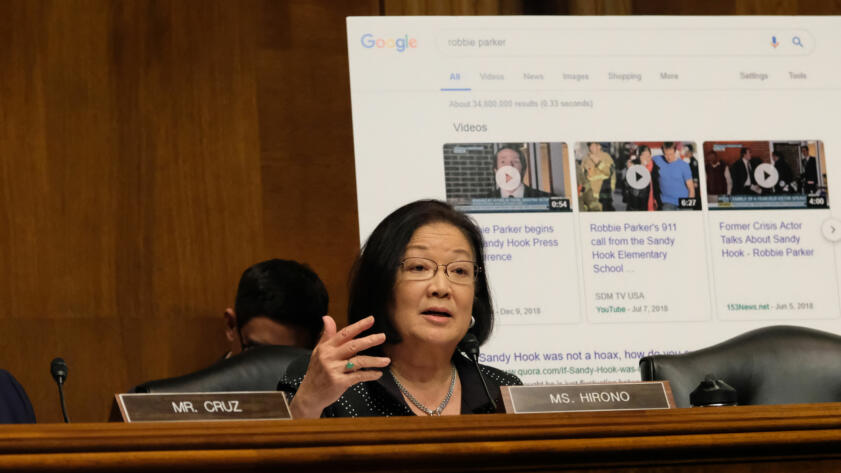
469, 344
58, 368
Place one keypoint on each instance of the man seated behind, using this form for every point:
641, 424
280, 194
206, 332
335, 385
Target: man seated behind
278, 302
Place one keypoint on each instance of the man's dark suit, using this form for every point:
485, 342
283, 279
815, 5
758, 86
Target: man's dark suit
14, 403
811, 175
740, 174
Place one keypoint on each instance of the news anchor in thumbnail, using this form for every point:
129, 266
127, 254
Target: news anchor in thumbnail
511, 156
675, 178
417, 287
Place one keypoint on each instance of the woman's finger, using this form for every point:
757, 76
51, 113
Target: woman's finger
363, 376
329, 329
356, 345
361, 362
351, 331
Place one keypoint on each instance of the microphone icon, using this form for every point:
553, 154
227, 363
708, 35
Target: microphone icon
774, 42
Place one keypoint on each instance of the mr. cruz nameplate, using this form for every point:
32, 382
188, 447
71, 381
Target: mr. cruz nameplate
174, 407
587, 397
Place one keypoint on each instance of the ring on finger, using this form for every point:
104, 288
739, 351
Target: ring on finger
350, 366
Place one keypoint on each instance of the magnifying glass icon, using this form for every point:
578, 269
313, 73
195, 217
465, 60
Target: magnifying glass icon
796, 41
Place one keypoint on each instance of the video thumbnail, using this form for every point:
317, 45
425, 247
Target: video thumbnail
507, 177
637, 176
765, 174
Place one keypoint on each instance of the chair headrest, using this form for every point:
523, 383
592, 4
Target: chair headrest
770, 365
257, 369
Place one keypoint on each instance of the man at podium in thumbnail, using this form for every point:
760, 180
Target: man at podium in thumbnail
417, 291
510, 156
278, 302
741, 174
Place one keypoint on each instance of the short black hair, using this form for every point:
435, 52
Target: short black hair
668, 145
743, 152
690, 147
287, 292
375, 270
642, 149
523, 163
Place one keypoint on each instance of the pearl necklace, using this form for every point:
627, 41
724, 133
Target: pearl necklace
426, 410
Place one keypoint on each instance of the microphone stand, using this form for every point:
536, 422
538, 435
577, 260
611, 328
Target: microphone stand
470, 345
58, 368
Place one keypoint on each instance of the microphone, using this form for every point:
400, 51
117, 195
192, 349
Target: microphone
470, 346
58, 368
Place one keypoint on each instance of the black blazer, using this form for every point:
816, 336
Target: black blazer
382, 398
15, 407
739, 175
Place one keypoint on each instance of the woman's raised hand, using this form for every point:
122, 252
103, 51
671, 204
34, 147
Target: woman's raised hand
335, 366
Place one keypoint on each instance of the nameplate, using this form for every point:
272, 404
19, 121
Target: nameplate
180, 407
587, 397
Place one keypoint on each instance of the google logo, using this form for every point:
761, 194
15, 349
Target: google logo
401, 44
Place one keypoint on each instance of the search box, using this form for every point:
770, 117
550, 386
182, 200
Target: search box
627, 42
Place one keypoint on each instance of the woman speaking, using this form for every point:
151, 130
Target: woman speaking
416, 290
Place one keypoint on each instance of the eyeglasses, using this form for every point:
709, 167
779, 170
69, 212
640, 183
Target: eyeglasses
421, 269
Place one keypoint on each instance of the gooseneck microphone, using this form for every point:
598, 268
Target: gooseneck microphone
470, 345
58, 368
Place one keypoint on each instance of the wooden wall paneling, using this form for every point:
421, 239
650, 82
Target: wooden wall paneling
188, 80
306, 138
58, 244
737, 7
610, 7
766, 7
189, 66
452, 7
93, 350
162, 347
600, 7
131, 191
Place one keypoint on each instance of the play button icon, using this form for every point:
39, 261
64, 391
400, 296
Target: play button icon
508, 178
638, 177
766, 175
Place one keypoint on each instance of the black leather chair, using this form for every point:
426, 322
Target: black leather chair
771, 365
258, 369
